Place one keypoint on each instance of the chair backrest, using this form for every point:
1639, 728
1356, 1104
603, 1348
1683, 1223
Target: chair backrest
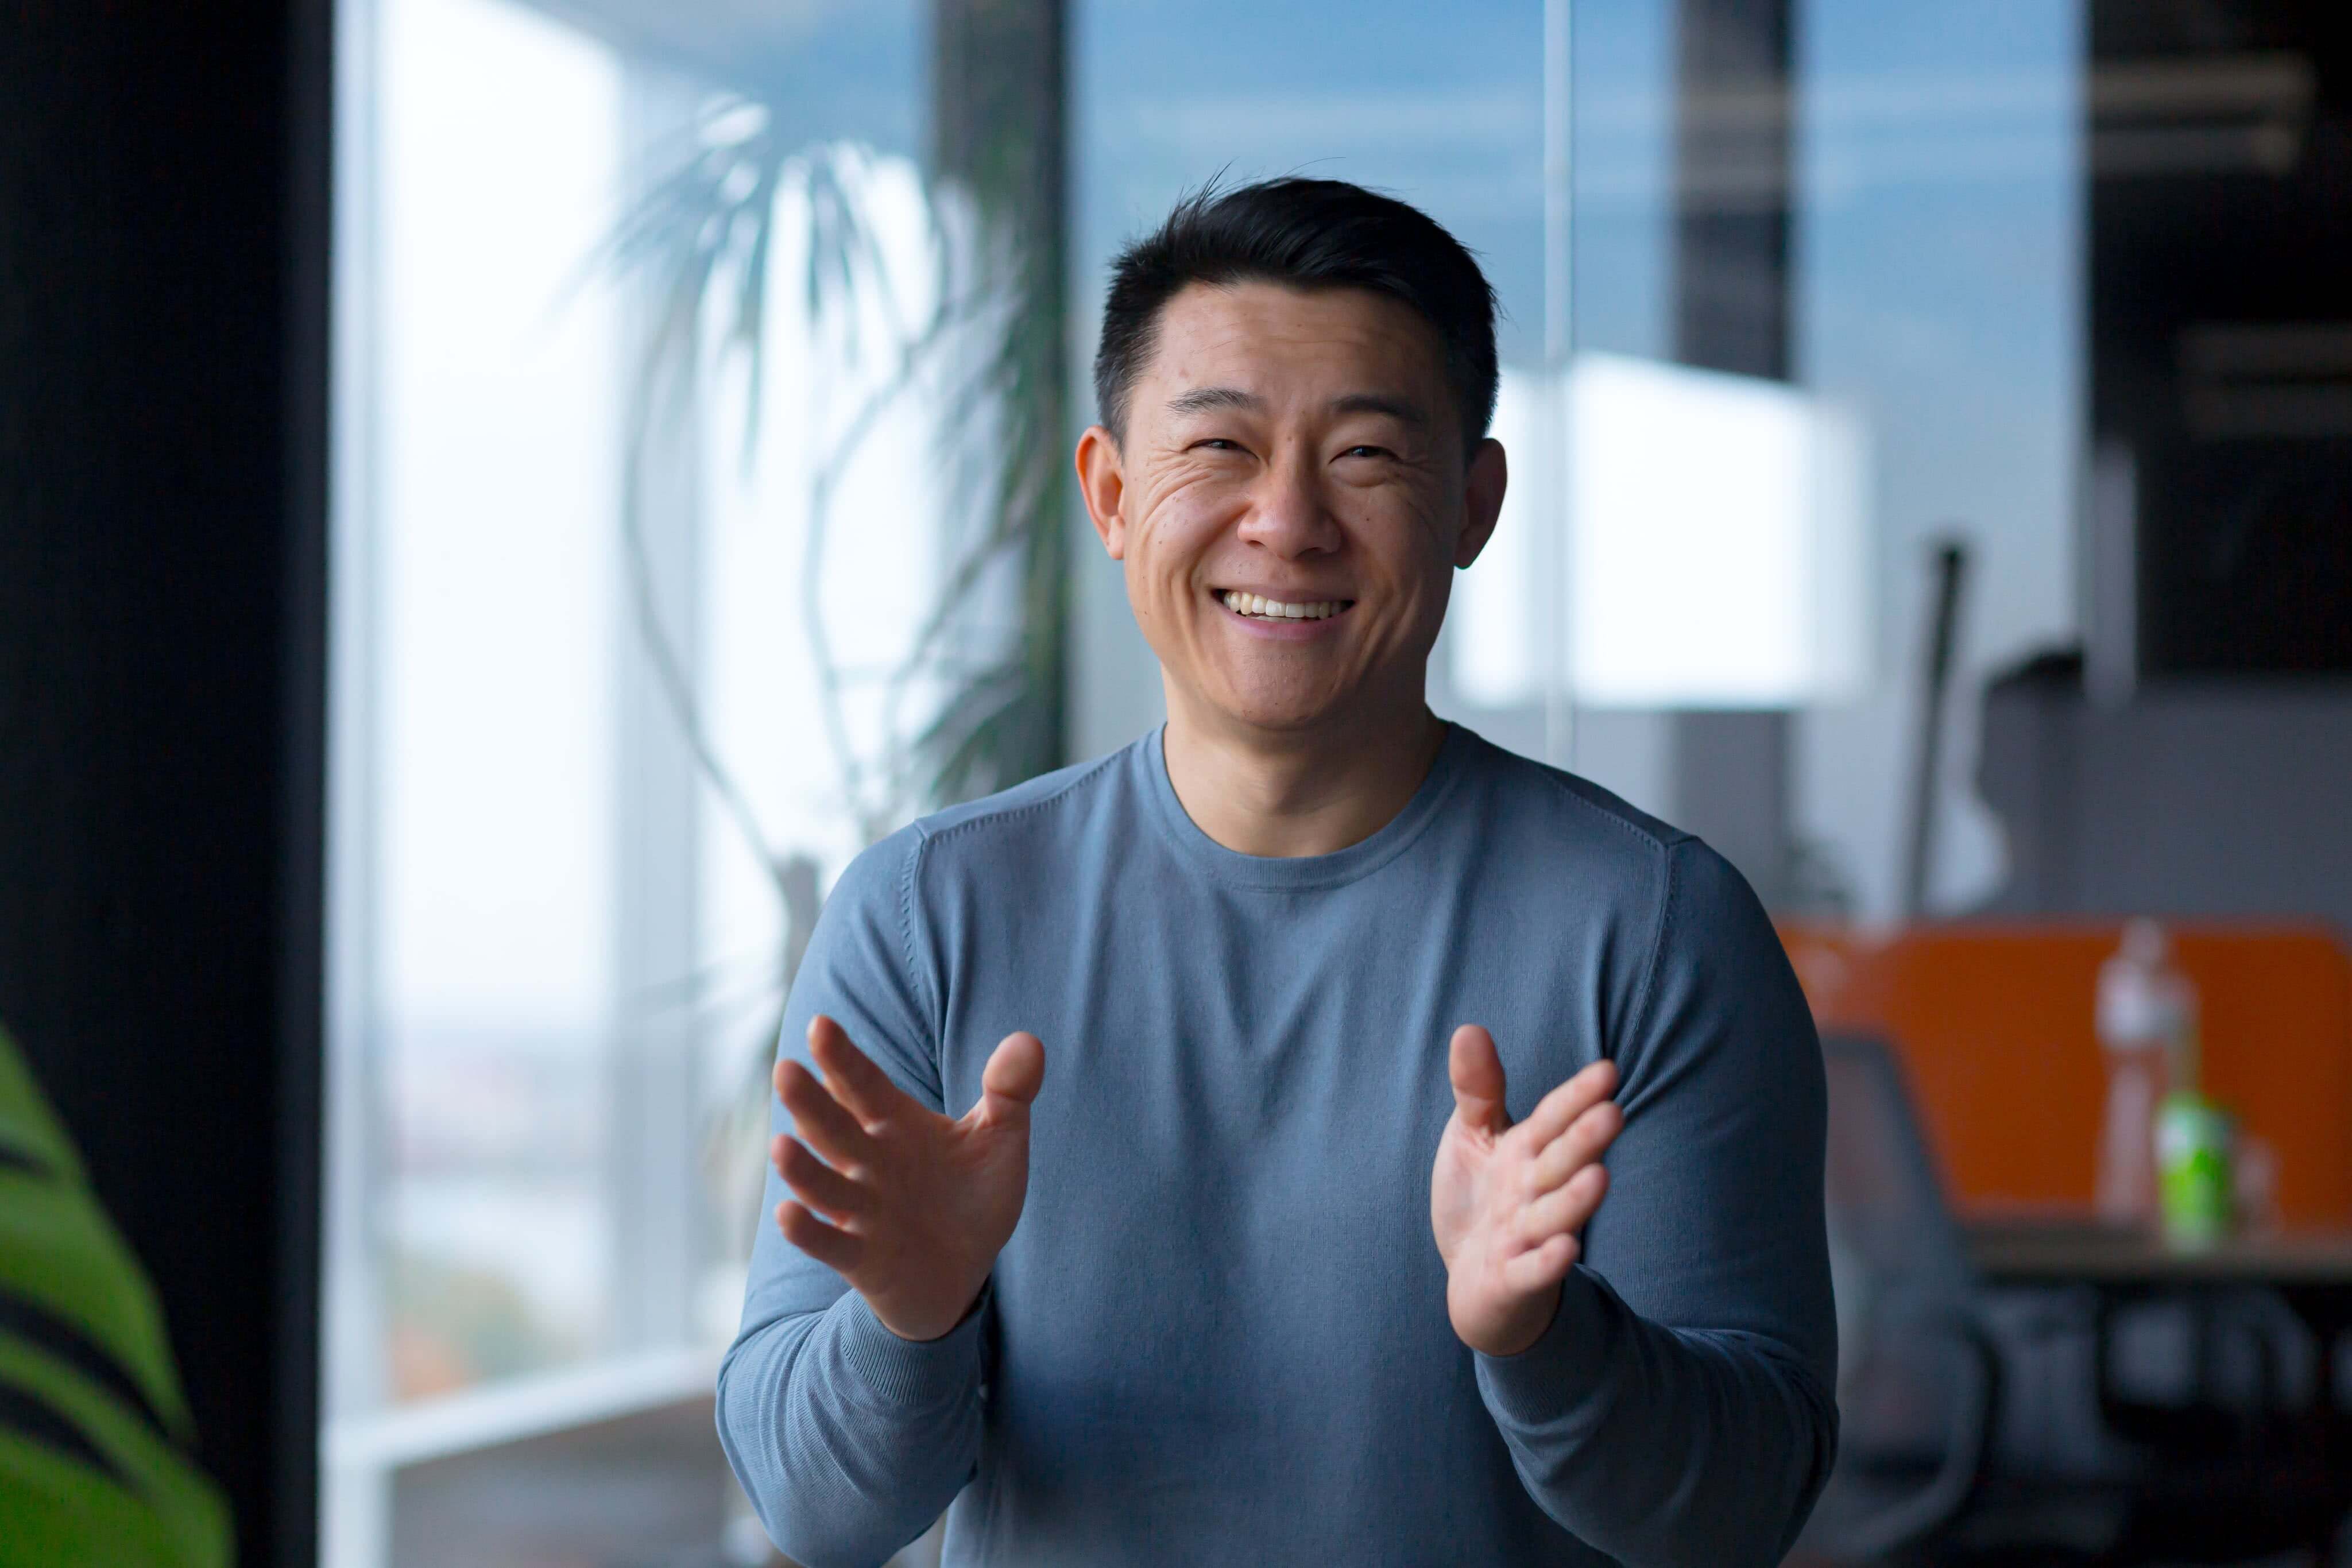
1891, 1228
1917, 1387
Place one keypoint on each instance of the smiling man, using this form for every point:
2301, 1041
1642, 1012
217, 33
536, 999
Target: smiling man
1197, 1155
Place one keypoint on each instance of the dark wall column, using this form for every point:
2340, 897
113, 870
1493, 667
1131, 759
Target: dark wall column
2220, 343
162, 331
1000, 96
1732, 168
1732, 178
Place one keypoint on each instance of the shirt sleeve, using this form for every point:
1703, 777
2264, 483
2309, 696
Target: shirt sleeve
1678, 1408
849, 1441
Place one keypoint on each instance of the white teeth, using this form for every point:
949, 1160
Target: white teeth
1276, 610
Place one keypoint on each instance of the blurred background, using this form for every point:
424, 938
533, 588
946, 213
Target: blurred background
500, 499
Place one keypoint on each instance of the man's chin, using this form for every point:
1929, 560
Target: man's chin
1290, 715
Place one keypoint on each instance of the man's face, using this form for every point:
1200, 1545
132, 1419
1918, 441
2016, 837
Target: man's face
1290, 501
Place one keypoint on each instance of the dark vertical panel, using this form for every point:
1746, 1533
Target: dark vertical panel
999, 106
2220, 326
1000, 95
1732, 193
308, 143
163, 298
1732, 164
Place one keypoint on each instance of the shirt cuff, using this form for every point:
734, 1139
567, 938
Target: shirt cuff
1568, 1362
904, 1374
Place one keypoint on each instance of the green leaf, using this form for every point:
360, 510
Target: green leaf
82, 1351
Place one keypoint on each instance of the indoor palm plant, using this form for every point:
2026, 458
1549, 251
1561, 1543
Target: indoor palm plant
973, 349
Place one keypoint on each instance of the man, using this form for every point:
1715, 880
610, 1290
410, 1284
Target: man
1117, 1111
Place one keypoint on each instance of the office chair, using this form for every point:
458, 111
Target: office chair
1975, 1427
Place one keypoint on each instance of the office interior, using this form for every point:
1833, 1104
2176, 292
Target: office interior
500, 499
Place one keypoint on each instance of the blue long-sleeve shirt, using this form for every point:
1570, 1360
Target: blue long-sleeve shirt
1219, 1332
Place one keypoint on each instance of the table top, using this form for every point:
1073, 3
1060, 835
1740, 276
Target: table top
2085, 1251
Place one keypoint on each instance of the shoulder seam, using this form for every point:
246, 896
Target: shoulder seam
925, 837
1010, 814
1551, 777
907, 934
1647, 994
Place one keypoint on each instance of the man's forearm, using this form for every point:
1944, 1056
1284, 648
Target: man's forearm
848, 1439
1661, 1446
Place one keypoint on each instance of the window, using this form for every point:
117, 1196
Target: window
585, 790
1925, 304
624, 674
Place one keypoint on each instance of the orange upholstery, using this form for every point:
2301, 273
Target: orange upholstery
1996, 1026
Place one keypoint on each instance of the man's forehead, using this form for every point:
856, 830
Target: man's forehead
1225, 345
1202, 399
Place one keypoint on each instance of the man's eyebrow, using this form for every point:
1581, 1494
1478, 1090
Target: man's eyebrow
1200, 400
1396, 408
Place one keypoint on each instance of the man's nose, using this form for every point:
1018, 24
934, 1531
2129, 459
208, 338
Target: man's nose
1290, 514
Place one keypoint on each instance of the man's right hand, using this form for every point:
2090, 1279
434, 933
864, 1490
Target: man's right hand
909, 1207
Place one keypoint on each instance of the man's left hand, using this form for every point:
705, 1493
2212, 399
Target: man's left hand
1506, 1201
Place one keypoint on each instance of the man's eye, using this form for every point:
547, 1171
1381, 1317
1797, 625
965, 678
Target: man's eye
1217, 444
1365, 451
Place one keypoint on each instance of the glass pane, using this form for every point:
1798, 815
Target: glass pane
500, 161
1924, 304
827, 536
1939, 299
558, 954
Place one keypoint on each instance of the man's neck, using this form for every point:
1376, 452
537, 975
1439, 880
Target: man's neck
1299, 792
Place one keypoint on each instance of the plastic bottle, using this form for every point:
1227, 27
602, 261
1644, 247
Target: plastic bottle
2148, 1028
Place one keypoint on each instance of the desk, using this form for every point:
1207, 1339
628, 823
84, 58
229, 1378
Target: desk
2073, 1251
2310, 1270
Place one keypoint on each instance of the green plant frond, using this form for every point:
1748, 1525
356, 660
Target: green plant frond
58, 1513
750, 315
83, 1340
148, 1475
60, 1252
970, 746
27, 1126
706, 234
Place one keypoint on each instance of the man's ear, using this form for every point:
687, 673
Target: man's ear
1104, 484
1483, 485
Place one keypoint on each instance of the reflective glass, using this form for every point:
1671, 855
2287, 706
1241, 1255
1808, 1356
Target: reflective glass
496, 893
575, 662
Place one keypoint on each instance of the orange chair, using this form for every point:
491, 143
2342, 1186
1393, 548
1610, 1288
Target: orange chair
1995, 1026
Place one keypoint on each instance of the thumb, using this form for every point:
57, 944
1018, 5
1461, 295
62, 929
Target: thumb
1477, 1074
1015, 1072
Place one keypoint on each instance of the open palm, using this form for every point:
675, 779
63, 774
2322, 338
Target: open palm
1506, 1202
911, 1207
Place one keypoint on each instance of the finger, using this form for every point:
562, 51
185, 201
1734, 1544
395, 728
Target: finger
1587, 1139
817, 1183
821, 1120
834, 1248
1565, 1208
1564, 1104
863, 1088
1476, 1070
1009, 1084
1543, 1266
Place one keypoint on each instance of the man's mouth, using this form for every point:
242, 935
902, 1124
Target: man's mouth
1257, 607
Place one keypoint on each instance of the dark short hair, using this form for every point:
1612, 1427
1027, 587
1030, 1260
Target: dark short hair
1305, 233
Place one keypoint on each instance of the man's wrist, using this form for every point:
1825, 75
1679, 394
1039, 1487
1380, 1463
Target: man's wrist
1574, 1354
906, 1372
1518, 1333
911, 1332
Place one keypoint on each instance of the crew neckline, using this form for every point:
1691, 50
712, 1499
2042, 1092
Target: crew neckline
1359, 859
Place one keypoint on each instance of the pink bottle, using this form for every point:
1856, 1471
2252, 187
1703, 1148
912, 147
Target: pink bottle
2148, 1012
